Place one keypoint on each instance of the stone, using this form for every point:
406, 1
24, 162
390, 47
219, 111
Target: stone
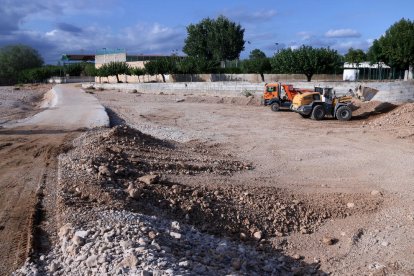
134, 193
82, 233
179, 100
126, 244
152, 235
258, 235
130, 261
175, 235
79, 241
104, 170
328, 240
297, 256
236, 263
53, 267
149, 179
92, 261
350, 205
385, 243
175, 225
375, 192
65, 230
184, 264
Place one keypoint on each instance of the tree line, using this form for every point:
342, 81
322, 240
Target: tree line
212, 42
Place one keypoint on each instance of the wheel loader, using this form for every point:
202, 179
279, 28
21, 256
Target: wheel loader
316, 105
277, 95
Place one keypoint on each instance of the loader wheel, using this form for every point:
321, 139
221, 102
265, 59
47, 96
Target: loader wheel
318, 113
275, 107
344, 113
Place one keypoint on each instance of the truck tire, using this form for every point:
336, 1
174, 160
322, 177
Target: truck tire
343, 113
318, 113
275, 107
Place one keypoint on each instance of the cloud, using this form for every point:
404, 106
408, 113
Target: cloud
147, 38
305, 35
248, 16
342, 33
63, 37
69, 28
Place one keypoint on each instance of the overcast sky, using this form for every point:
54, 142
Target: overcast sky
159, 27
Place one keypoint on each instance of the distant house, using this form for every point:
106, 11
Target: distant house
365, 70
137, 61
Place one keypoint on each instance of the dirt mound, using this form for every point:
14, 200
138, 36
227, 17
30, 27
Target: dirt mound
123, 168
364, 110
402, 115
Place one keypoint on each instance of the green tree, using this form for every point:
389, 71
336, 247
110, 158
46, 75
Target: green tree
161, 66
396, 46
89, 70
257, 63
137, 72
375, 53
73, 69
214, 39
355, 56
16, 58
116, 68
306, 60
103, 71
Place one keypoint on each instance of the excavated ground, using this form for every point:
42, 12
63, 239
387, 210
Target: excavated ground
223, 186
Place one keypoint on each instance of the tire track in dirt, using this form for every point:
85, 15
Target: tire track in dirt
25, 168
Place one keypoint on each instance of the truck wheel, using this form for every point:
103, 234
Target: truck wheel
275, 107
318, 113
343, 113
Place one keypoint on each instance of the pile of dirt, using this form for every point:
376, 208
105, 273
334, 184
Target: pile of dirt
401, 116
123, 168
363, 110
20, 102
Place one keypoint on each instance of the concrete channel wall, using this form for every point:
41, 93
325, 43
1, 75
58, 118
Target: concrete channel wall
394, 92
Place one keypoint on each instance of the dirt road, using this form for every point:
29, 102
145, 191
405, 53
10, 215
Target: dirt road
28, 168
307, 157
28, 164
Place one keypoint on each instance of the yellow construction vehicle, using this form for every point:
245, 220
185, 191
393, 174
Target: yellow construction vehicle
317, 105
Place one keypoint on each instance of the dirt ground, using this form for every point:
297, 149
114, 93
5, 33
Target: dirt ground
28, 161
323, 160
328, 196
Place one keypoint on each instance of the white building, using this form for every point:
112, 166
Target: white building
352, 70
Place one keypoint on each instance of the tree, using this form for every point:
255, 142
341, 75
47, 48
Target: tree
218, 40
355, 56
306, 60
115, 68
375, 53
16, 58
161, 66
396, 46
89, 70
103, 71
137, 72
73, 69
39, 74
257, 63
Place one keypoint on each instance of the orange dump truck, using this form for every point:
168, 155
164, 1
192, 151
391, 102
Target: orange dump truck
278, 95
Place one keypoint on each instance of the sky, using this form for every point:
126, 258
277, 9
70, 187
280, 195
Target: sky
159, 27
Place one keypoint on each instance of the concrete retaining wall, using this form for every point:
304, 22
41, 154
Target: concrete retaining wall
394, 92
